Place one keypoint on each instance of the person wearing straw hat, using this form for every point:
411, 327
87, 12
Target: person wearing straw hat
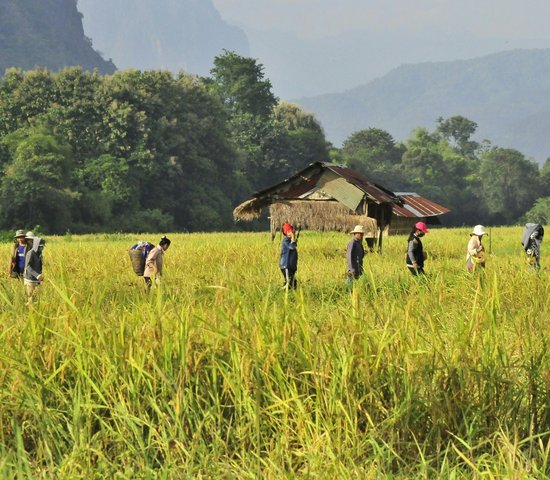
355, 254
475, 255
415, 252
17, 263
288, 259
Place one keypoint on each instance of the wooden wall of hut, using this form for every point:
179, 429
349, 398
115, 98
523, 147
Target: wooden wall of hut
403, 225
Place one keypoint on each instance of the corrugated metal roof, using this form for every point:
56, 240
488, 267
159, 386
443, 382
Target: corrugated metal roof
375, 192
415, 205
304, 180
340, 189
346, 188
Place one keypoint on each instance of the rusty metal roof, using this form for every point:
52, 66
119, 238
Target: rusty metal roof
314, 178
415, 205
306, 179
374, 191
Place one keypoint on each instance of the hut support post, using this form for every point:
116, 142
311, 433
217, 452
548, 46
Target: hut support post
380, 236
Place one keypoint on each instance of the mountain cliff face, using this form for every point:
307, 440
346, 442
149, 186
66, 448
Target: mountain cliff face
171, 34
45, 33
506, 94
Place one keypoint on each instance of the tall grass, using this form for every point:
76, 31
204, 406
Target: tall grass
220, 373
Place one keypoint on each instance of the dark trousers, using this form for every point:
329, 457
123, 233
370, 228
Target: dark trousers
416, 271
290, 279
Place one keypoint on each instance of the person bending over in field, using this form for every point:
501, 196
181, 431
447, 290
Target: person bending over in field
531, 240
153, 262
355, 254
475, 255
17, 263
288, 260
32, 276
415, 252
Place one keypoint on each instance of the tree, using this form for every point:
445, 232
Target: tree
305, 142
34, 187
240, 83
545, 178
458, 130
510, 183
539, 212
375, 153
423, 163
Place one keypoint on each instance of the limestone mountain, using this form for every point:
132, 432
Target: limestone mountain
45, 33
150, 34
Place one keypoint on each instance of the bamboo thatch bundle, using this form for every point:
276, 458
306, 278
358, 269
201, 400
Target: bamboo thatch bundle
319, 215
250, 210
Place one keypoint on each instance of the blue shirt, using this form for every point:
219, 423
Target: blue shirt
289, 255
21, 257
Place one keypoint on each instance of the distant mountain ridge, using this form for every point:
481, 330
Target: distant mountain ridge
507, 94
45, 33
169, 34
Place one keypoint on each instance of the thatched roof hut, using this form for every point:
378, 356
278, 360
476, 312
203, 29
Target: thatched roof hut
324, 196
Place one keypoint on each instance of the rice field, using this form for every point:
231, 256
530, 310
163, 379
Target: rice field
219, 373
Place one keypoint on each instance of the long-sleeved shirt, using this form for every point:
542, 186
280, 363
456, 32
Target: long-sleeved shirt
33, 261
473, 250
289, 255
415, 251
153, 263
354, 255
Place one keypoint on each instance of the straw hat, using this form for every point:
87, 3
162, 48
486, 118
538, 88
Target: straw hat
479, 230
358, 229
19, 233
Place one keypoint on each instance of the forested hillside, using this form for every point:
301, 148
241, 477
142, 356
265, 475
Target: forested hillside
150, 151
172, 34
45, 33
144, 151
506, 94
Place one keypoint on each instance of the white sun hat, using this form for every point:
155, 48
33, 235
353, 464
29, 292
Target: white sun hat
479, 230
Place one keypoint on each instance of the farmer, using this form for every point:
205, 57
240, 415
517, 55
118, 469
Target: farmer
354, 254
476, 251
531, 241
415, 253
288, 260
153, 262
32, 276
17, 262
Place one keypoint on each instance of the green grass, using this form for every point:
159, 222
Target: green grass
220, 374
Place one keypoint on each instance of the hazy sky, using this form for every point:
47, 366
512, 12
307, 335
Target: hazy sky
315, 18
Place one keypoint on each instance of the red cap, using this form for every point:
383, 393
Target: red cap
422, 227
287, 227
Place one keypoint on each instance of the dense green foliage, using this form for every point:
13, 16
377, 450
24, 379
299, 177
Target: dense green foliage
480, 183
220, 374
152, 151
143, 150
45, 33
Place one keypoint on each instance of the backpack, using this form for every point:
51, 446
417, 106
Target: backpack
138, 254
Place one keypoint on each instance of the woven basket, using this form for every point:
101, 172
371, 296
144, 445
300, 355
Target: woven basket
138, 260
